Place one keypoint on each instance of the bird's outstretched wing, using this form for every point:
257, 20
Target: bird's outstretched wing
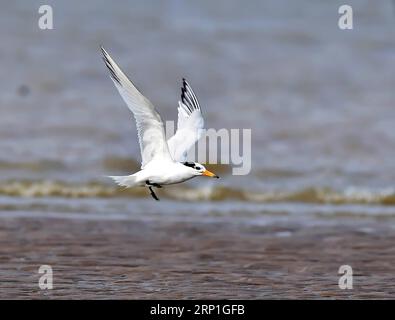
190, 124
150, 128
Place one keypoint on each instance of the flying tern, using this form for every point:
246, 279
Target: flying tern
163, 162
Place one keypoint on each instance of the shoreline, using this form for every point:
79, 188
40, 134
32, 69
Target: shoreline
131, 259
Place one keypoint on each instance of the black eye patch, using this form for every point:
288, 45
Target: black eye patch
189, 164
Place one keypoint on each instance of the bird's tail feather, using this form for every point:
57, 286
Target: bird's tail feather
125, 181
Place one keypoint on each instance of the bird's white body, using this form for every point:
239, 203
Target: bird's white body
163, 162
157, 173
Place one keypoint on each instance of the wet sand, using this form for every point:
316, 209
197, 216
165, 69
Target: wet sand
128, 259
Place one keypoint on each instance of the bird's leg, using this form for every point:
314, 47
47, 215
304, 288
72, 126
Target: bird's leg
153, 193
150, 185
156, 185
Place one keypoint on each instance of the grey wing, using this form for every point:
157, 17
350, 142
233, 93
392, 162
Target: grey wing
149, 124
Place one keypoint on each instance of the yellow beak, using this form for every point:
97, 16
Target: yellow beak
209, 174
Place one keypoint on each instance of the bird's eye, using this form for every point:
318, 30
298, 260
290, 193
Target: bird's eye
198, 168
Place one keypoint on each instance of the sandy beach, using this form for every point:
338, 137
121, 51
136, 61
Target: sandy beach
128, 259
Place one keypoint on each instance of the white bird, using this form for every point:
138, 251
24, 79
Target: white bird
163, 162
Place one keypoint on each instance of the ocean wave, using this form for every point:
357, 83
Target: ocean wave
94, 189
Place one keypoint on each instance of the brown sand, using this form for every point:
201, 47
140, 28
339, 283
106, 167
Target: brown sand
133, 260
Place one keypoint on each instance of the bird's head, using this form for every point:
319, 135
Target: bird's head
199, 169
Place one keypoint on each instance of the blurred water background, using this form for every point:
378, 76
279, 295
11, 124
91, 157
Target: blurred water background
320, 102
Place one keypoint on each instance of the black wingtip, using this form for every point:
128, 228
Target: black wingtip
102, 49
184, 99
188, 97
109, 65
185, 83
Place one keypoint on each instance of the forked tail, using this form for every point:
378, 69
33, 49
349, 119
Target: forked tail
125, 181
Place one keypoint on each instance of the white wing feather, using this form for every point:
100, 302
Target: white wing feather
150, 128
189, 126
